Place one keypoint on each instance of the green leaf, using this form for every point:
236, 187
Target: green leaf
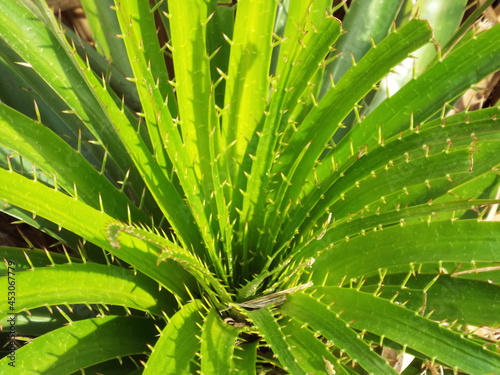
105, 28
306, 60
69, 168
163, 131
73, 347
153, 169
178, 342
448, 298
218, 341
136, 22
303, 17
140, 21
166, 251
322, 122
247, 80
84, 284
188, 28
221, 24
364, 21
67, 125
91, 225
444, 17
319, 316
442, 82
466, 25
401, 246
37, 258
356, 225
41, 44
410, 182
390, 320
244, 358
302, 65
123, 87
269, 328
399, 170
311, 352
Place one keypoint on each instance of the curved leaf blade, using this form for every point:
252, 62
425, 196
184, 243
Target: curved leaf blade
218, 341
322, 122
403, 246
91, 225
70, 348
269, 328
84, 284
178, 342
387, 319
319, 316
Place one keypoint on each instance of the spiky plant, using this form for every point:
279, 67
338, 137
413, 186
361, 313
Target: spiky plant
257, 208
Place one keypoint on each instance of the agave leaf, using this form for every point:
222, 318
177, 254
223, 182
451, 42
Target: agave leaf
435, 138
359, 224
216, 358
247, 79
70, 127
140, 20
69, 167
483, 186
401, 246
441, 83
302, 17
366, 22
222, 192
167, 250
153, 171
306, 59
73, 347
13, 95
91, 225
303, 63
444, 17
188, 28
221, 24
178, 341
163, 130
420, 180
148, 73
42, 287
46, 52
244, 358
445, 298
105, 28
319, 316
312, 138
78, 127
466, 25
382, 317
123, 87
37, 258
312, 352
269, 328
